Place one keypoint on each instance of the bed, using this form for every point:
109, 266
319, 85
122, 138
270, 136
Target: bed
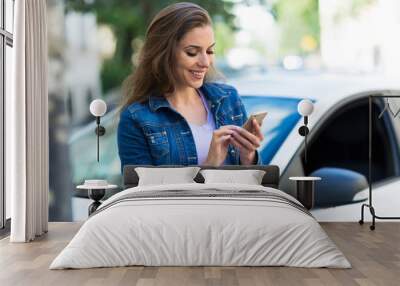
201, 224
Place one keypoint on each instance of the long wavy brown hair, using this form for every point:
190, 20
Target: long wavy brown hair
155, 71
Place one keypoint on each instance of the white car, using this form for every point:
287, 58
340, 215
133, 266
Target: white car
337, 144
338, 140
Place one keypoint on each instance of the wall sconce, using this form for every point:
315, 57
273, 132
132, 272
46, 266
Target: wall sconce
98, 108
305, 108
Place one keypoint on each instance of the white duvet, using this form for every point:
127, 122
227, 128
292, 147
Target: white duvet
185, 231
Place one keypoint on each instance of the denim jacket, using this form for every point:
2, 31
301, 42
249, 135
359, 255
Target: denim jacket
152, 133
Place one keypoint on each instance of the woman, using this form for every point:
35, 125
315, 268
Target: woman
173, 114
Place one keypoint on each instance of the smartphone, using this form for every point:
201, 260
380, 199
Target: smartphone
258, 116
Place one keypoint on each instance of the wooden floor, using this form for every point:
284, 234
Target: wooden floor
374, 255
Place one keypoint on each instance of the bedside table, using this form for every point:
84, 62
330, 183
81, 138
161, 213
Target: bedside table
305, 190
96, 193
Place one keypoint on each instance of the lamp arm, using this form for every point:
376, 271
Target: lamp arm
98, 108
305, 149
98, 137
98, 146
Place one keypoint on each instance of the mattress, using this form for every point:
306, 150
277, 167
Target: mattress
201, 225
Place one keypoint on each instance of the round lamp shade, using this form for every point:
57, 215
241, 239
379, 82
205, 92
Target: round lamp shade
305, 107
98, 107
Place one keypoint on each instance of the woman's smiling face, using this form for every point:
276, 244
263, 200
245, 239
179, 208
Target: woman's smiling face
194, 56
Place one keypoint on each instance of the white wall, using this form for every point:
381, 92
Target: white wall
367, 42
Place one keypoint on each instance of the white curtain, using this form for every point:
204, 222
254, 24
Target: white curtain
27, 173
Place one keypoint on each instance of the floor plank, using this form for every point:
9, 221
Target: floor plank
374, 255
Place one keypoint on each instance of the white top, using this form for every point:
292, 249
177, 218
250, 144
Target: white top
305, 178
202, 134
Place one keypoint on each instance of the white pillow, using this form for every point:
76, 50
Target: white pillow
164, 176
249, 177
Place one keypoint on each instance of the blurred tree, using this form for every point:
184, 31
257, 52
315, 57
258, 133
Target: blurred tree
224, 37
352, 9
299, 23
128, 20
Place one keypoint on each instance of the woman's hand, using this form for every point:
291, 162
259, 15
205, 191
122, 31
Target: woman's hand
219, 146
247, 141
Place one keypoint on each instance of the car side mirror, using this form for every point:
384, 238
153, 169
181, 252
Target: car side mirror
338, 187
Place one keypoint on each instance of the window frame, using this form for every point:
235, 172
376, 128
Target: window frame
6, 39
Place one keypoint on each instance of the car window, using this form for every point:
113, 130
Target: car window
348, 143
281, 119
